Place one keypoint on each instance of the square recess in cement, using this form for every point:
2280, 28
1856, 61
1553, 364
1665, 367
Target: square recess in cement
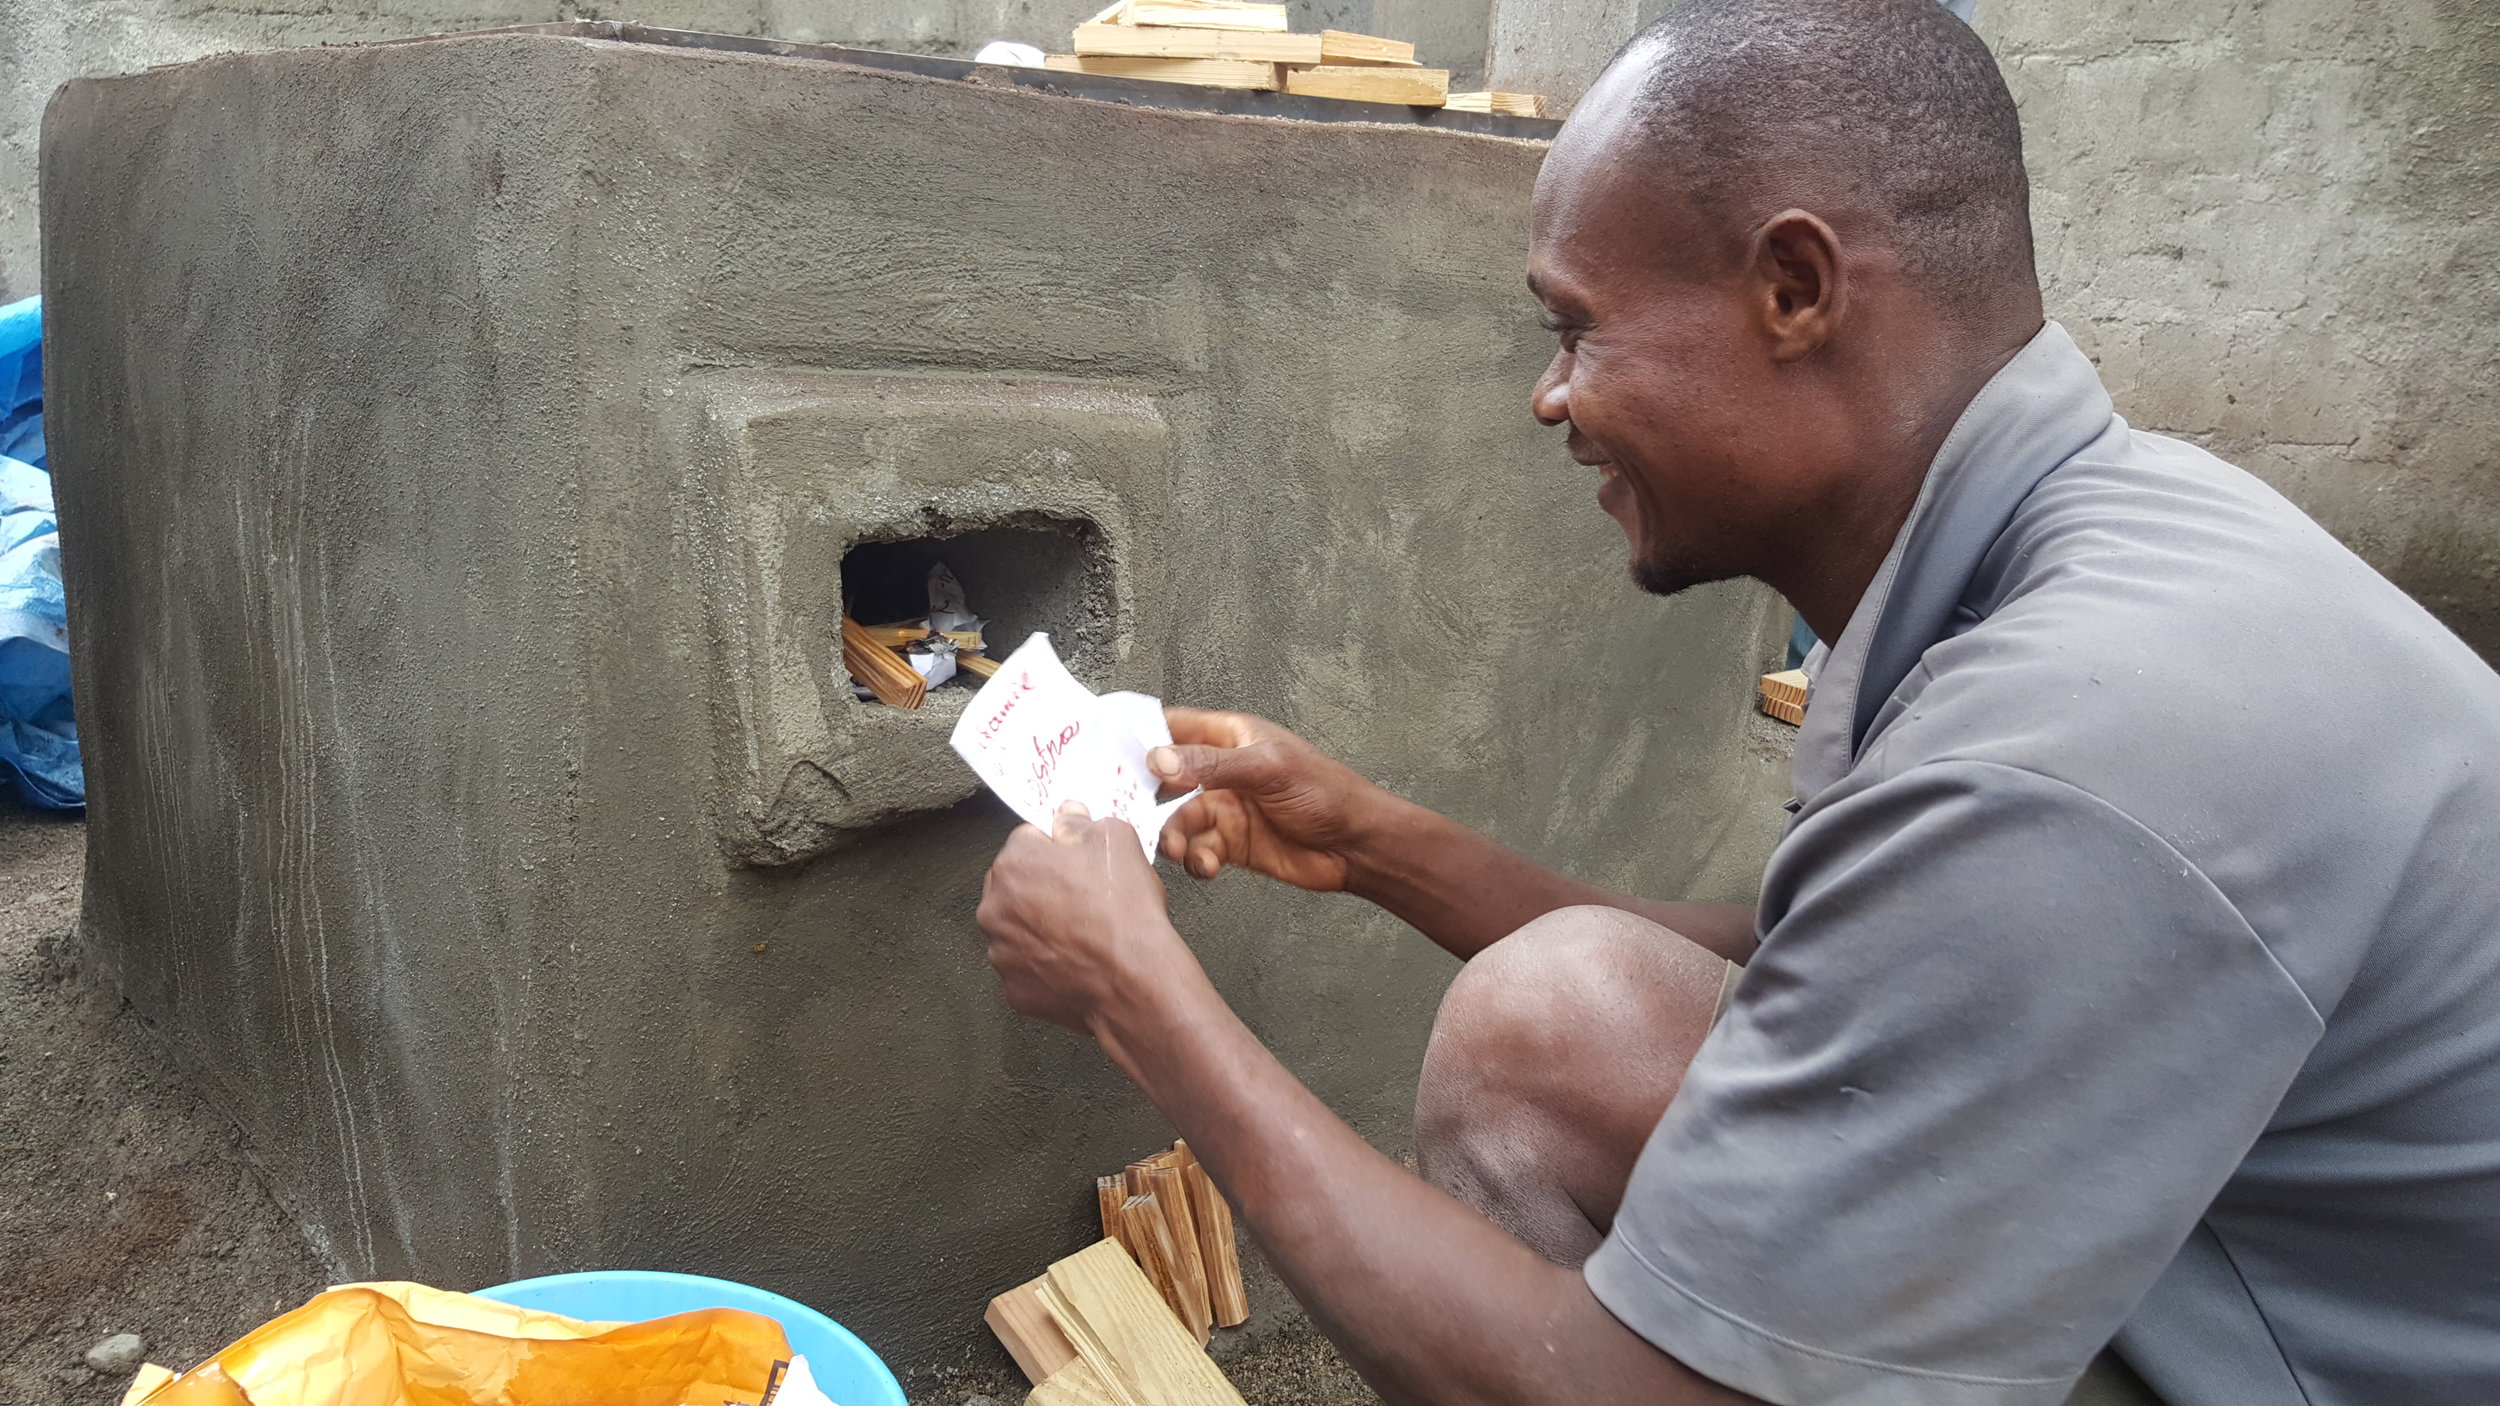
817, 487
1035, 573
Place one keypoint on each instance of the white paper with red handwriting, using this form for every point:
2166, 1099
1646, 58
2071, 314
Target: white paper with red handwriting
1040, 739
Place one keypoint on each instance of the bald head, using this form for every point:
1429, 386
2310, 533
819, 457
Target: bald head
1889, 114
1781, 244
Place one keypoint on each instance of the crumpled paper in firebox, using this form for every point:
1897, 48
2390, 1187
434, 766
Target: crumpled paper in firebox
397, 1344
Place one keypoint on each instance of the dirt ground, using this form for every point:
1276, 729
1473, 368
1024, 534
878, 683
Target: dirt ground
125, 1205
128, 1206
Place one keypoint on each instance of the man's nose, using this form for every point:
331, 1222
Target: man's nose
1551, 403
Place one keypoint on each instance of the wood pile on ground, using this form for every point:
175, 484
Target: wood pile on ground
1126, 1321
1229, 44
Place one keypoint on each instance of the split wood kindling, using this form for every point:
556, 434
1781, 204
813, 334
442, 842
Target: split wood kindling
877, 668
1125, 1322
1784, 695
1227, 44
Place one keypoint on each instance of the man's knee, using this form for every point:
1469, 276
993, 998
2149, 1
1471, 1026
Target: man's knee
1579, 991
1554, 1053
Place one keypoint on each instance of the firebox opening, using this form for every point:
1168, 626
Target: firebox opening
1026, 574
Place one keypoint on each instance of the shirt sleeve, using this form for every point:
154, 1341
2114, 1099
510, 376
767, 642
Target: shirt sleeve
1998, 1051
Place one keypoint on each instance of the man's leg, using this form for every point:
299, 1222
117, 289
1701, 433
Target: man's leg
1555, 1052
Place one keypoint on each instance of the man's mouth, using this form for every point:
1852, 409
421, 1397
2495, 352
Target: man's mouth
1612, 491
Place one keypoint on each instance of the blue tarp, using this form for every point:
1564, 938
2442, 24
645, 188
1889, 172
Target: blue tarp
38, 738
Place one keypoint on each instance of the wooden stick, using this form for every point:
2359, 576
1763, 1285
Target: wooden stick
1110, 1193
880, 670
1028, 1332
898, 634
1784, 696
1508, 104
1076, 1384
1189, 1272
1416, 87
1204, 14
1165, 42
1090, 1347
1227, 1297
1205, 73
1338, 46
1788, 686
980, 666
1109, 1311
1148, 1228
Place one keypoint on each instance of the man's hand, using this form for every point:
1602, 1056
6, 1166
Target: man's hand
1431, 1301
1274, 804
1080, 937
1076, 922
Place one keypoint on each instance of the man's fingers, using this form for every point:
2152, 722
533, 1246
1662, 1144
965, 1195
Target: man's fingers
1203, 835
1211, 728
1206, 856
1184, 765
1069, 824
1197, 815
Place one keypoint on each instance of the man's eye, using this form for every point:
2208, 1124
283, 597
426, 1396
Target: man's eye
1567, 332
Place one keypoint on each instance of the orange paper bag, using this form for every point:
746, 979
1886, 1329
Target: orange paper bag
408, 1345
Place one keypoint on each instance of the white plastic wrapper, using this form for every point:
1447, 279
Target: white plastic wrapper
1009, 53
798, 1387
935, 666
1040, 739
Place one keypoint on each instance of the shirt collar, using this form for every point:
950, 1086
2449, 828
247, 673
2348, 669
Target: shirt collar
2038, 411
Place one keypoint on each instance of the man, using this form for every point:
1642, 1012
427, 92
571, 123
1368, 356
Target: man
2130, 969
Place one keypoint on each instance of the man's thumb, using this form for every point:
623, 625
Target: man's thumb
1216, 768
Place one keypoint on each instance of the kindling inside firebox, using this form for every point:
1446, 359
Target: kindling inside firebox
929, 609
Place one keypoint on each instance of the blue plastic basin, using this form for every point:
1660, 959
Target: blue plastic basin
843, 1366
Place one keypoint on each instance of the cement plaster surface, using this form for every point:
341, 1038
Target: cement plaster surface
455, 443
2271, 224
44, 43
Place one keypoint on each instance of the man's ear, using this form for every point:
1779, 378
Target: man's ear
1802, 282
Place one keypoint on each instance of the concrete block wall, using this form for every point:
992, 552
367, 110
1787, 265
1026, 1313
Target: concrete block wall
2270, 222
2272, 225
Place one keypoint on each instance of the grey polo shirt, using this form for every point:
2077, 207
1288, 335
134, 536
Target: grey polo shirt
2130, 968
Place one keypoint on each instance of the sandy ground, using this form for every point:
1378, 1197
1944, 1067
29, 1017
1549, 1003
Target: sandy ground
128, 1206
125, 1205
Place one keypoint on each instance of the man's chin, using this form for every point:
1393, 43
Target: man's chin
1668, 578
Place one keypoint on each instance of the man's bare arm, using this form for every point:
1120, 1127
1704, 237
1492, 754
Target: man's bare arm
1466, 892
1430, 1301
1277, 805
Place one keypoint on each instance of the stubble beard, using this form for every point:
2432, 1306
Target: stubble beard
1667, 576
